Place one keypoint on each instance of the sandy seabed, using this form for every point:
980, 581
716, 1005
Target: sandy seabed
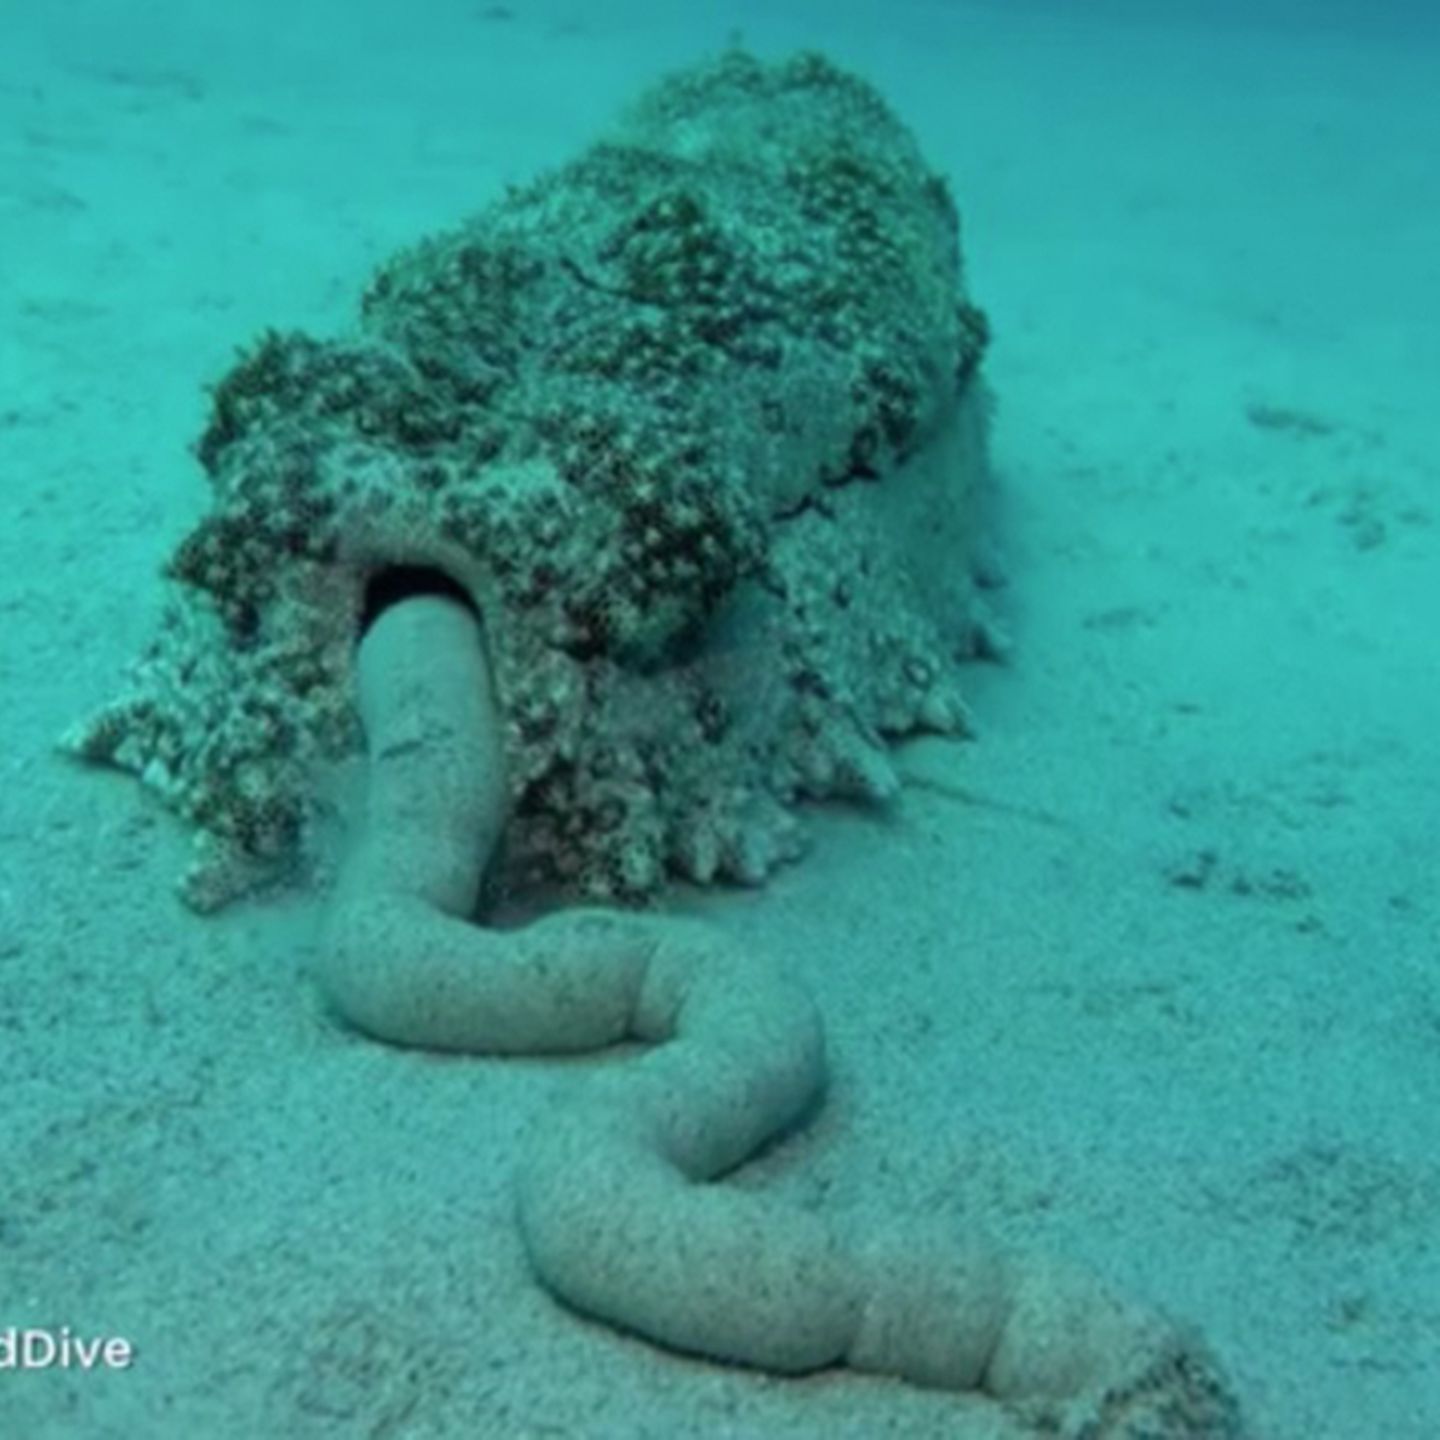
1147, 973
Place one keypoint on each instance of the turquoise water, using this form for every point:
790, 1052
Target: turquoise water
1043, 708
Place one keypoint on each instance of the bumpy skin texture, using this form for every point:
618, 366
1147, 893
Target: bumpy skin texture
681, 418
617, 1203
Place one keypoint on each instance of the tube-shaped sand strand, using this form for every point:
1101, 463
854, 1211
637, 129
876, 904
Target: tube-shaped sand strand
618, 1203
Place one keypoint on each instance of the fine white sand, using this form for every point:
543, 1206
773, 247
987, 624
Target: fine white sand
1147, 973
